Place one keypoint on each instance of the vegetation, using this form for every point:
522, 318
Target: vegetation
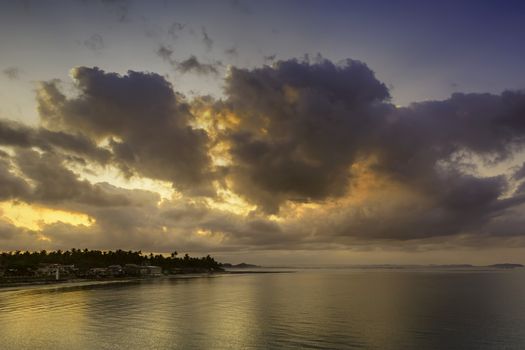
85, 259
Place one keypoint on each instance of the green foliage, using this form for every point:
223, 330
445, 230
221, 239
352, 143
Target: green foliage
84, 259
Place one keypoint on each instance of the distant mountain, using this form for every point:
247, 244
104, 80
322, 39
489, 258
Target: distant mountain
238, 266
453, 266
506, 266
432, 266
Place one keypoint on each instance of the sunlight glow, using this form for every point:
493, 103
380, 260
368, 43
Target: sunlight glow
114, 177
34, 217
231, 202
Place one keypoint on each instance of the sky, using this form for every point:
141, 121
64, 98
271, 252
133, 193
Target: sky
273, 132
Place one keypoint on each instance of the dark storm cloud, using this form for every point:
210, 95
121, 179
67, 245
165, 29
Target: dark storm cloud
145, 121
520, 173
485, 124
299, 132
466, 206
54, 183
12, 73
11, 186
430, 145
44, 178
6, 231
15, 238
19, 135
301, 127
12, 133
238, 231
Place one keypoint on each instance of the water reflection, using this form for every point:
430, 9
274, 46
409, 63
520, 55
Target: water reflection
338, 309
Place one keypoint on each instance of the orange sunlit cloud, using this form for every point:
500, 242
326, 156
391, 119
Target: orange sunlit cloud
34, 217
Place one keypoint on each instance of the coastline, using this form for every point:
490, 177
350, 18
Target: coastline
83, 282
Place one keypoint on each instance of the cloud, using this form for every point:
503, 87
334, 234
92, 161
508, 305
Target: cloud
192, 64
174, 29
232, 51
15, 134
206, 40
12, 73
303, 129
16, 238
189, 65
42, 177
520, 173
269, 58
119, 8
166, 53
300, 128
11, 186
54, 183
303, 154
94, 42
145, 123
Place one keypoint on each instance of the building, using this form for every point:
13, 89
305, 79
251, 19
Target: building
115, 270
98, 272
140, 270
154, 270
55, 270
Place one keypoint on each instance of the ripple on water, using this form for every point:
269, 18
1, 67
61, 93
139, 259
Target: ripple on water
307, 310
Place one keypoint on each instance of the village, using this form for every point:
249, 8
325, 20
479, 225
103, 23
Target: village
42, 267
59, 272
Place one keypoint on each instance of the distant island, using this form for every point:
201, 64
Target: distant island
239, 266
506, 266
494, 266
43, 266
445, 266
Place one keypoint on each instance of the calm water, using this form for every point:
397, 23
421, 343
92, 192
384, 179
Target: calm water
317, 309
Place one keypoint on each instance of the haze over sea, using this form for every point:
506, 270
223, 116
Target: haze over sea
309, 309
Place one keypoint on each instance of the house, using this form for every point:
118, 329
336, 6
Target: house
132, 269
140, 270
115, 270
154, 270
110, 271
98, 272
55, 270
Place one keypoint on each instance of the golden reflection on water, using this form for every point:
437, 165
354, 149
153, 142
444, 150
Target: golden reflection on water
322, 309
42, 320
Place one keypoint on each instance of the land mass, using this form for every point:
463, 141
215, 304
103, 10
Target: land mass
76, 264
239, 266
506, 266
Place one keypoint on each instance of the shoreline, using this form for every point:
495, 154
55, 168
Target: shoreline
84, 282
81, 282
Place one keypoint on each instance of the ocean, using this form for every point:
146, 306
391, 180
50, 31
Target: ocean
306, 309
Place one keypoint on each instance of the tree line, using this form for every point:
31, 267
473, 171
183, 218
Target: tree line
85, 259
